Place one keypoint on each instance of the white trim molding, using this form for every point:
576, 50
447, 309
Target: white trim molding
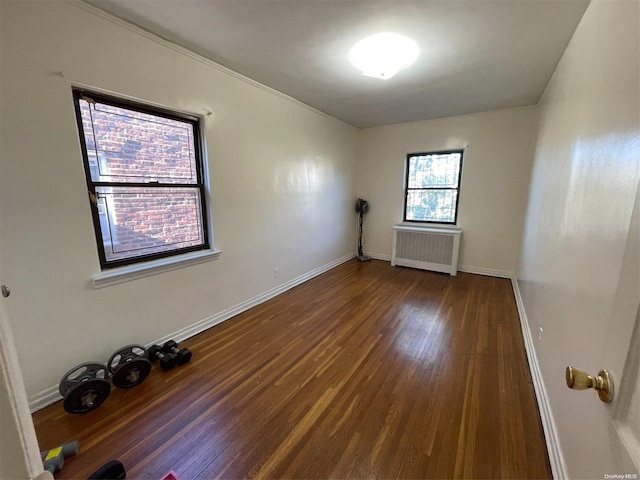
379, 256
195, 56
489, 272
141, 270
52, 395
556, 457
20, 458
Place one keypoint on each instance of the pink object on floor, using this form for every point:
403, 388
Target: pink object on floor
171, 476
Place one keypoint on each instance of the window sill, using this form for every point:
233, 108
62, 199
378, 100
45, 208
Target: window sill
134, 272
428, 227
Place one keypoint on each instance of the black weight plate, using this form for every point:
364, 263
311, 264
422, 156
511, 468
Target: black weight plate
125, 355
86, 396
82, 373
131, 373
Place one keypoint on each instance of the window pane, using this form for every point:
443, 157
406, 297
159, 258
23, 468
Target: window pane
143, 221
438, 170
128, 146
432, 205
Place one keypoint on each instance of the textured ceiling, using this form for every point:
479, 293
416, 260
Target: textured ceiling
476, 55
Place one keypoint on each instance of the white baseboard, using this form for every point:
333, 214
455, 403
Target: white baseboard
52, 395
490, 272
556, 457
44, 398
379, 256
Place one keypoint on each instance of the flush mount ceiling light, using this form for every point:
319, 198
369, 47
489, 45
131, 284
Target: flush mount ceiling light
383, 55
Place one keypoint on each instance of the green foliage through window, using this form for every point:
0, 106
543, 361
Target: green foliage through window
432, 187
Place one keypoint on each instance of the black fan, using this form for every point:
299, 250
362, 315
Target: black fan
362, 207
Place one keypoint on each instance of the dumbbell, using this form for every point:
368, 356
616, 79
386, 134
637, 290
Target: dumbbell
53, 460
182, 356
167, 360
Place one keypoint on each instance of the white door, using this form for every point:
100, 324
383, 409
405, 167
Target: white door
578, 272
19, 455
613, 442
621, 355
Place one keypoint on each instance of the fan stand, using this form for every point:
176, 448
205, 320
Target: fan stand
361, 257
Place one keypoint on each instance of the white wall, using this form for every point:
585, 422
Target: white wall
495, 176
282, 177
583, 186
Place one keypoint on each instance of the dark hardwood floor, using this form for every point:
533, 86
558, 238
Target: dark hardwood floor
367, 371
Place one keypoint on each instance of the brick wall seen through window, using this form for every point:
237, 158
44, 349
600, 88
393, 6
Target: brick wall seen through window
145, 179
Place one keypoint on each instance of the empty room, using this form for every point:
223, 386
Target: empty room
319, 239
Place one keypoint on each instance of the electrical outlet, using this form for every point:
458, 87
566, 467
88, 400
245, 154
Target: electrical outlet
540, 332
275, 273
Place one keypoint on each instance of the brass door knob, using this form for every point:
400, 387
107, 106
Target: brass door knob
603, 383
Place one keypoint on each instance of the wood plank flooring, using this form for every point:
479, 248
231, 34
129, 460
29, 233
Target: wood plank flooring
367, 371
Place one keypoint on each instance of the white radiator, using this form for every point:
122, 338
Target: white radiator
428, 248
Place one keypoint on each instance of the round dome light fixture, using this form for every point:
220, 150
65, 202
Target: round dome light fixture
383, 55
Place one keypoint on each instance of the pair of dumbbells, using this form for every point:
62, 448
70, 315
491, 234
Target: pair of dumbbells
169, 355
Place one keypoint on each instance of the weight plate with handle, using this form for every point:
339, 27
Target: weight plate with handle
124, 355
86, 396
131, 373
82, 373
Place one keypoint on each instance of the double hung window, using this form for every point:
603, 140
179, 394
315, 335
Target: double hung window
144, 172
432, 187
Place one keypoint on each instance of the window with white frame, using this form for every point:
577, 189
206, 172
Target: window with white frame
144, 172
432, 187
